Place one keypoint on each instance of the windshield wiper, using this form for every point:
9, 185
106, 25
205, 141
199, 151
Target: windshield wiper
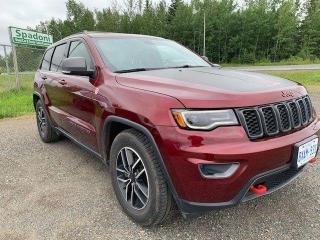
187, 66
149, 69
136, 70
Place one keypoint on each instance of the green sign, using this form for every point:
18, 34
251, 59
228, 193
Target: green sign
31, 38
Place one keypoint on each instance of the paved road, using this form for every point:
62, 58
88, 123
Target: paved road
279, 68
59, 191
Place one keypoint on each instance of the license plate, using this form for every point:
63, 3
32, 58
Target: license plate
305, 151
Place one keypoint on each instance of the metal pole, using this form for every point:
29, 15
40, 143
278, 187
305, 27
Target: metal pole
194, 40
45, 25
15, 62
204, 34
6, 59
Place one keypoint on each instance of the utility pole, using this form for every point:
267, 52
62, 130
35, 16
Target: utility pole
204, 34
46, 27
194, 11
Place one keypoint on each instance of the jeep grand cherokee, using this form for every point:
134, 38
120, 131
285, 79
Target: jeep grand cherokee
173, 127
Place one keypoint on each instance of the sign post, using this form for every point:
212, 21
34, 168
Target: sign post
24, 37
15, 62
6, 58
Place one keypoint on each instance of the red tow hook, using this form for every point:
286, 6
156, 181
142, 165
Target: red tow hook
259, 189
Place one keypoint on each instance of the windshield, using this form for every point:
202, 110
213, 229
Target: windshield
140, 54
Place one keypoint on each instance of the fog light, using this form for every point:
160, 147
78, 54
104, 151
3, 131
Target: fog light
218, 171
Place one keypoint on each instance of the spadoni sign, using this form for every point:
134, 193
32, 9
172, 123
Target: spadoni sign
26, 37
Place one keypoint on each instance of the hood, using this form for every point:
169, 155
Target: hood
210, 87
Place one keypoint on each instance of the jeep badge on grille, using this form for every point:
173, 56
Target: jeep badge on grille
287, 93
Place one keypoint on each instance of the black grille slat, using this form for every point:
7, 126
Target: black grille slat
295, 116
308, 108
270, 120
284, 117
253, 123
303, 111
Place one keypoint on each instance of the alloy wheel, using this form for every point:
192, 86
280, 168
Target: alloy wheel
132, 178
42, 122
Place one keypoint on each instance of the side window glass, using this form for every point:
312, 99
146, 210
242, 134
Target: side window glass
57, 57
78, 49
45, 65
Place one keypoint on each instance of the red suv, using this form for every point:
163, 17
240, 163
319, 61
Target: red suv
173, 127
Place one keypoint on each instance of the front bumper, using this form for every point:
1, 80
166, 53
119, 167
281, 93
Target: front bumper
184, 150
274, 180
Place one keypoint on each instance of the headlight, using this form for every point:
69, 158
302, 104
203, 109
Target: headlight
204, 120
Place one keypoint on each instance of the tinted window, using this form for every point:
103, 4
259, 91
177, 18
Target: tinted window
79, 49
45, 65
57, 57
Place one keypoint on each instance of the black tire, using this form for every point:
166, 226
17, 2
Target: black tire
159, 200
46, 131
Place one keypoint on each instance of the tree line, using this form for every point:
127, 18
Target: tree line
246, 31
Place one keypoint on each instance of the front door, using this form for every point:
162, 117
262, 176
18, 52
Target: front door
80, 93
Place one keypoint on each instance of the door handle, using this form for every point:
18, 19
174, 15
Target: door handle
62, 82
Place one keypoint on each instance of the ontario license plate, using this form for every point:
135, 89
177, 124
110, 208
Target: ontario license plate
306, 151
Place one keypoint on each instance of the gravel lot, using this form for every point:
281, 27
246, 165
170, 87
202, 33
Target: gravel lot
59, 191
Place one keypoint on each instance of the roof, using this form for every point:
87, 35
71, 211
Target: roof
109, 34
103, 34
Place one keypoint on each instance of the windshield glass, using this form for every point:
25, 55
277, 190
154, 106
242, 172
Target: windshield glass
121, 54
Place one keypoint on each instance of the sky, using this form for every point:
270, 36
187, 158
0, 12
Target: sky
22, 13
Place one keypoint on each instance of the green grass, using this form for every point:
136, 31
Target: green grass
15, 103
290, 61
305, 77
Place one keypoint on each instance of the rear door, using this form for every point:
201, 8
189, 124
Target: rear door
81, 107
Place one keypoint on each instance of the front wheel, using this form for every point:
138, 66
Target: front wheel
137, 179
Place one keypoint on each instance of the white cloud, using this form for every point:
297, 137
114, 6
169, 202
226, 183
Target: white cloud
21, 13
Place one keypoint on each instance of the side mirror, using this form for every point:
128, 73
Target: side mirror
216, 65
76, 66
205, 58
212, 64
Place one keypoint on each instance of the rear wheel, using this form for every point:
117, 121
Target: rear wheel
46, 131
137, 179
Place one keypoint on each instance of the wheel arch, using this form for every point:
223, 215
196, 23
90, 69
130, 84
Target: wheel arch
36, 97
108, 136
